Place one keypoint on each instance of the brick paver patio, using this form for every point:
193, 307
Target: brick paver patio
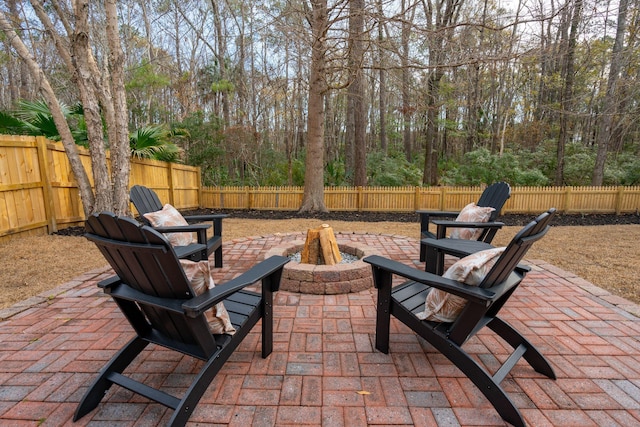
324, 369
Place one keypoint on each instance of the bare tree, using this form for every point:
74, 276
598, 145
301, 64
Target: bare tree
356, 95
408, 16
441, 18
96, 90
313, 198
221, 56
566, 101
383, 83
605, 131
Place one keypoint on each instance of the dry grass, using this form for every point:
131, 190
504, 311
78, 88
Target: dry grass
604, 255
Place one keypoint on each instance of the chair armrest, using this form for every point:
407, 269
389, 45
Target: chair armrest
199, 229
216, 219
186, 252
208, 217
438, 213
115, 287
195, 228
459, 224
471, 293
443, 225
109, 282
425, 217
269, 271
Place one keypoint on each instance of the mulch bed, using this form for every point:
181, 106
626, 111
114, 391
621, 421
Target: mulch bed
508, 219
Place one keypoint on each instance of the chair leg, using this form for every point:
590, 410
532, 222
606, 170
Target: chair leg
481, 378
200, 384
535, 359
423, 254
267, 321
101, 384
382, 280
217, 257
434, 261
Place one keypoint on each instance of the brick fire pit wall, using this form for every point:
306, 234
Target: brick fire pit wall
325, 279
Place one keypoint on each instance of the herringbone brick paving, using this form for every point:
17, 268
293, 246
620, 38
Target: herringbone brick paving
324, 369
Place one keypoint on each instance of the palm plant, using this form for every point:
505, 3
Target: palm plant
153, 142
34, 118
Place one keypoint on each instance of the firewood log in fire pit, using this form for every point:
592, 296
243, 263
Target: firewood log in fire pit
320, 247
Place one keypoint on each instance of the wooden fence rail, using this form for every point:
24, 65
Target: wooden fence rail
38, 193
611, 200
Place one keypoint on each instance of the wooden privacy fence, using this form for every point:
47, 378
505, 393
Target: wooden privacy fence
615, 200
38, 193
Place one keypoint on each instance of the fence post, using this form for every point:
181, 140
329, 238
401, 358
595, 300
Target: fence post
416, 199
47, 191
199, 175
443, 192
360, 198
619, 198
170, 178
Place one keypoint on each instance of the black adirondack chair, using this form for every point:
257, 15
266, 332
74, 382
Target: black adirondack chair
154, 294
146, 200
436, 249
484, 302
494, 196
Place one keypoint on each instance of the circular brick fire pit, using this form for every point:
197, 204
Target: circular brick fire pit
325, 279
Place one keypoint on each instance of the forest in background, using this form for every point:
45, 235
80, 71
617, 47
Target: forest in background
455, 92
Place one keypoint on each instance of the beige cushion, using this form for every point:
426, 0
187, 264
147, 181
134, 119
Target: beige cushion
199, 275
169, 217
471, 213
441, 306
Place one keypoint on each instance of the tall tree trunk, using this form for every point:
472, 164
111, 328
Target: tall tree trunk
20, 89
80, 53
610, 101
406, 91
313, 197
382, 105
473, 139
349, 140
566, 103
356, 91
430, 175
441, 18
221, 56
120, 151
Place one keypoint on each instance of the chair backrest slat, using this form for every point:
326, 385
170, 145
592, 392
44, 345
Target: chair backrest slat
517, 249
145, 200
495, 196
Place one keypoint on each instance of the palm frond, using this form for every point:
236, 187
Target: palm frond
30, 110
10, 125
152, 142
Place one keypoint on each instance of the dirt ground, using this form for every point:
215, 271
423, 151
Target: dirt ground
605, 255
